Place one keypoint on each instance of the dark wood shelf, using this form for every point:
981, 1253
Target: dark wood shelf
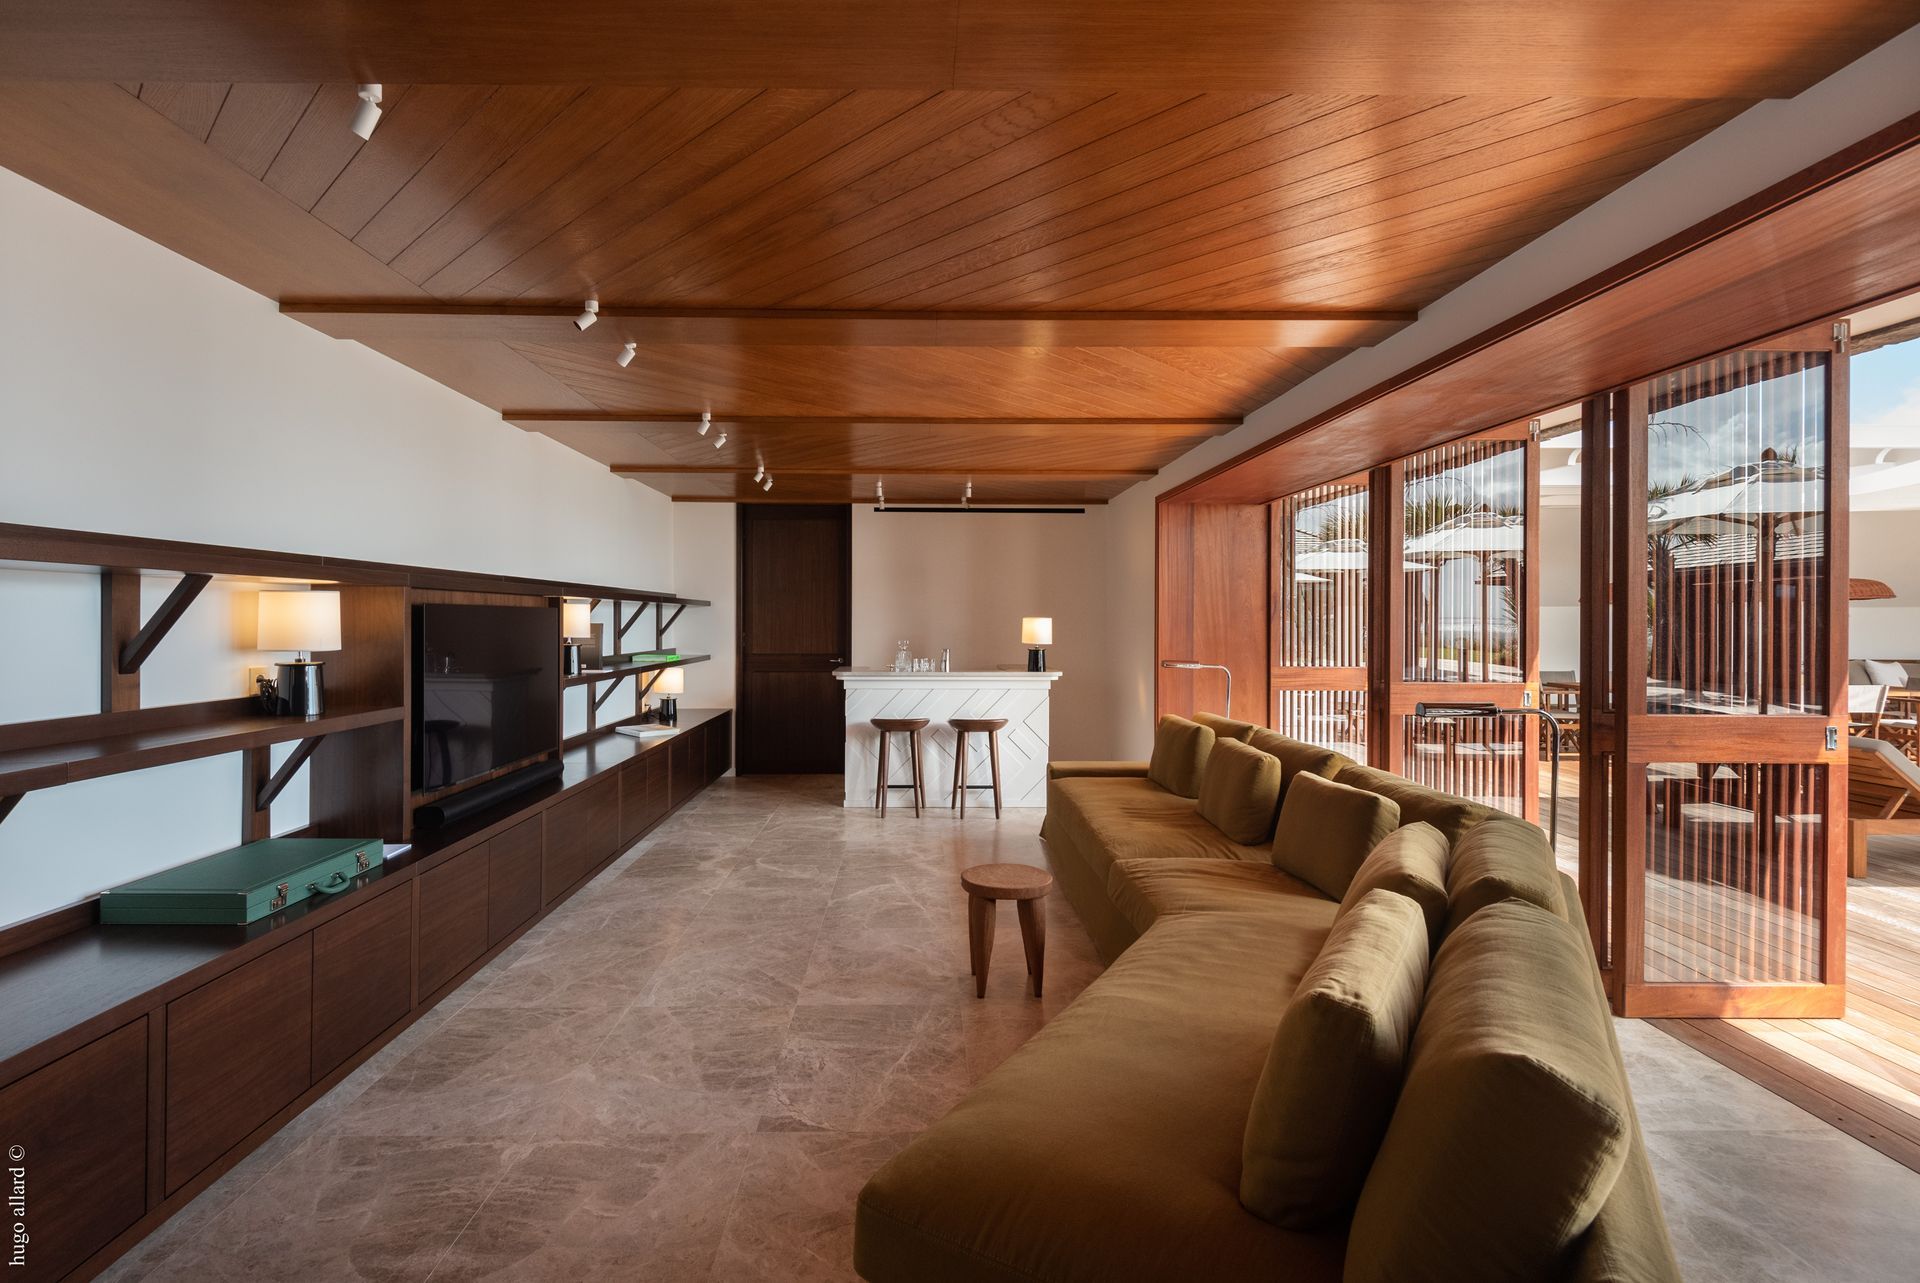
37, 755
622, 670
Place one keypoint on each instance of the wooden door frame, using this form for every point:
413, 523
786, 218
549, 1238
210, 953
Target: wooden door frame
744, 515
1631, 738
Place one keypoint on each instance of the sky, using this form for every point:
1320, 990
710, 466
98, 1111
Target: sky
1886, 396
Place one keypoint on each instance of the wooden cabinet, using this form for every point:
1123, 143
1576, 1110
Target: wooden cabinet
239, 1050
81, 1127
687, 760
453, 918
719, 746
362, 977
643, 795
513, 878
582, 830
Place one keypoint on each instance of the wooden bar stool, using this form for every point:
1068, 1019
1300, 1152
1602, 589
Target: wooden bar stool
987, 884
962, 727
911, 728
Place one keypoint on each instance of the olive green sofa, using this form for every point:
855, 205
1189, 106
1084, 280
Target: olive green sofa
1109, 1147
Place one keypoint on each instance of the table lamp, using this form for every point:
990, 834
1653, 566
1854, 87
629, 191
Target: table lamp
576, 621
672, 684
302, 622
1036, 634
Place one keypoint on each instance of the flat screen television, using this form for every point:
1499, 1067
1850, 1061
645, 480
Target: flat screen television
486, 690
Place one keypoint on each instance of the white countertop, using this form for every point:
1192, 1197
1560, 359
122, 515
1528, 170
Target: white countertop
973, 675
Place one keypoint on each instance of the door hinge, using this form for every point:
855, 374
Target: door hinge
1842, 331
1833, 739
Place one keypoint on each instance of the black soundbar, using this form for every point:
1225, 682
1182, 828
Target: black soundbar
481, 796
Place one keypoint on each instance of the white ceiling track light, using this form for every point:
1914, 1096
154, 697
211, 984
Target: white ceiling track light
626, 355
880, 494
706, 421
368, 113
589, 313
759, 472
720, 440
966, 496
768, 483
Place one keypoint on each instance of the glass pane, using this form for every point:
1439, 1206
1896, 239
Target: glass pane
1320, 578
1736, 535
1483, 758
1335, 719
1465, 562
1736, 865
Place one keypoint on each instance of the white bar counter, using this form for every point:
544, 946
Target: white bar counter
1020, 697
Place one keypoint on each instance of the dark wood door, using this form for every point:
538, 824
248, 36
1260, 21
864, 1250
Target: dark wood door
796, 627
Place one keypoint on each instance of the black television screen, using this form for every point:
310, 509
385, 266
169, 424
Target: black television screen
486, 690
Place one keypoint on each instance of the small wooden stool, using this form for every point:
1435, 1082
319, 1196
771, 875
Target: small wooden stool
988, 883
911, 727
962, 727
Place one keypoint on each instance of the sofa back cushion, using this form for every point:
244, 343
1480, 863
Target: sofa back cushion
1513, 1122
1452, 815
1333, 1072
1297, 757
1225, 728
1502, 859
1326, 830
1240, 792
1411, 861
1180, 750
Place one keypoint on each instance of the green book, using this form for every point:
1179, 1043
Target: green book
244, 884
644, 657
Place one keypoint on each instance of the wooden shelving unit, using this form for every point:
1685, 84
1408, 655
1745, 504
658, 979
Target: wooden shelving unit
614, 672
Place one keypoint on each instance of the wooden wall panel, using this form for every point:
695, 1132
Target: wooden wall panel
1213, 608
362, 977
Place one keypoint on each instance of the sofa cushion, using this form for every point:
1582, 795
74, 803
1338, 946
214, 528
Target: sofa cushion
1513, 1122
1067, 770
1452, 815
1334, 1069
1503, 859
1297, 757
1108, 1146
1146, 890
1180, 751
1411, 861
1240, 793
1225, 728
1327, 829
1117, 819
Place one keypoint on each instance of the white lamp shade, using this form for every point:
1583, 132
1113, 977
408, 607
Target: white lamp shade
673, 681
576, 619
299, 621
1036, 630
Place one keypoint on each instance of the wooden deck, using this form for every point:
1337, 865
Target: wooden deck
1861, 1073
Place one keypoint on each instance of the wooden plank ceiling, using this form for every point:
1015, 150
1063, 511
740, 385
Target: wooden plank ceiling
924, 244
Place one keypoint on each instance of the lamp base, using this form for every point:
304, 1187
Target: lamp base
570, 659
299, 690
1036, 659
669, 710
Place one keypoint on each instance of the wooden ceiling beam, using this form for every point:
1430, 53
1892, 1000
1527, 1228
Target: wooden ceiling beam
1614, 48
537, 419
856, 470
747, 327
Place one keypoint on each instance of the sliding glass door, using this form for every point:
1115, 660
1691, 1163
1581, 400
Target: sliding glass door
1318, 682
1723, 759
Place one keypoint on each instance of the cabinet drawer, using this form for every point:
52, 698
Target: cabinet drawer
453, 918
362, 977
688, 751
238, 1052
513, 878
719, 747
581, 832
82, 1122
643, 795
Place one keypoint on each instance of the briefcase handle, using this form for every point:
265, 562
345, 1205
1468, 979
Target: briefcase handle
336, 884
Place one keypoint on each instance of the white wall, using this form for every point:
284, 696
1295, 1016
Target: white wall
705, 536
964, 581
1761, 146
1882, 546
142, 394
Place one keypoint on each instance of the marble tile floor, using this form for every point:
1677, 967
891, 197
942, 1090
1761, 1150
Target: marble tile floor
688, 1070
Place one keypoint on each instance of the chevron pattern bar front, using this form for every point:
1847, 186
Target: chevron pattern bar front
1020, 697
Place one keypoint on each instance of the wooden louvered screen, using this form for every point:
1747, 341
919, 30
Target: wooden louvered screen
1321, 574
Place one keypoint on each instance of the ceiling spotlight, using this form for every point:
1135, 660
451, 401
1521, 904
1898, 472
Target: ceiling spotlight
589, 313
721, 439
880, 494
626, 355
759, 471
768, 483
368, 114
706, 421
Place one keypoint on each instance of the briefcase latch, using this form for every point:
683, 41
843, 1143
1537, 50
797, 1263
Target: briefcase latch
279, 901
360, 858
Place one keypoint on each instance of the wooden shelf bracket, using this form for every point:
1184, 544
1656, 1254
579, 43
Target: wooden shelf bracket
295, 760
7, 803
607, 689
663, 621
142, 643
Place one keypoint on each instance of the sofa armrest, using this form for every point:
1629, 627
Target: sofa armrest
1074, 770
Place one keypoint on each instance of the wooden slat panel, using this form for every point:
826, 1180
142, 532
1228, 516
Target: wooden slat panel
193, 107
411, 133
255, 122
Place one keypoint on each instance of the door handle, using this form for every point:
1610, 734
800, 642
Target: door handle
836, 660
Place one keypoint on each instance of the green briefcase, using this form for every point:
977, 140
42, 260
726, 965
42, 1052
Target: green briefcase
245, 884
